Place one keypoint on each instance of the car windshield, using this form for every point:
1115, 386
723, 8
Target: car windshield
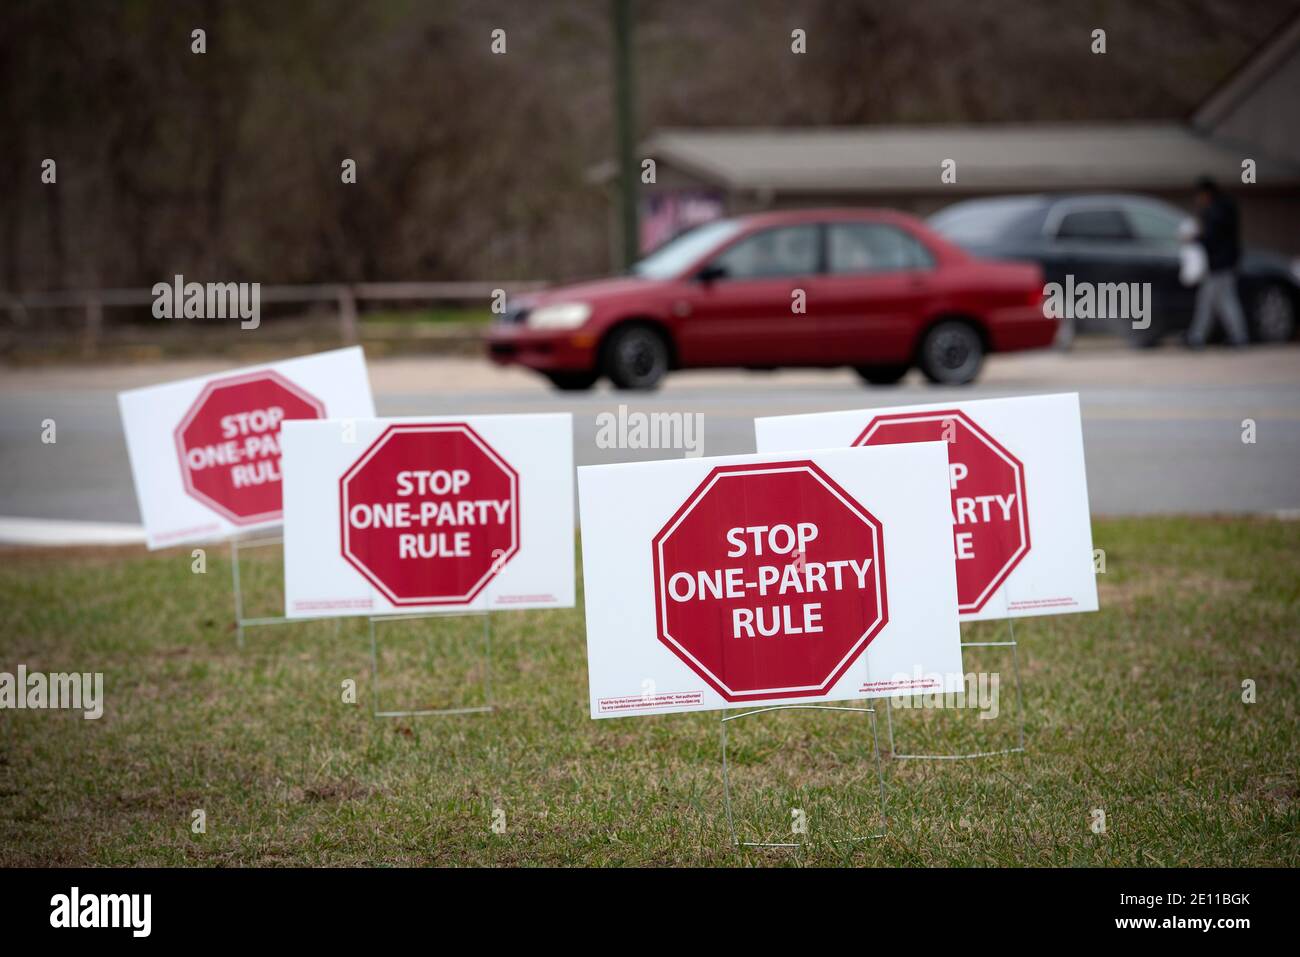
985, 220
675, 255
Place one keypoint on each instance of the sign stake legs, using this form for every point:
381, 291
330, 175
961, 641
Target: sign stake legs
237, 585
1020, 708
239, 595
1015, 668
726, 775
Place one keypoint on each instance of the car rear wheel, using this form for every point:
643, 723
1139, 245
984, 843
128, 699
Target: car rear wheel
573, 381
1272, 315
635, 357
882, 375
951, 353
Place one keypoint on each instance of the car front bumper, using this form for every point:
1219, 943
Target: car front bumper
543, 349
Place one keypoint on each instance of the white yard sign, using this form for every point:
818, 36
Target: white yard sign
809, 576
205, 452
393, 516
1022, 535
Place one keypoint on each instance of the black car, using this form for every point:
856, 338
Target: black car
1119, 238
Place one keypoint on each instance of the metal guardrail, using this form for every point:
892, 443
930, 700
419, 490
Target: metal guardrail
346, 295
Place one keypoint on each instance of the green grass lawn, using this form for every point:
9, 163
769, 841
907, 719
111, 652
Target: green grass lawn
433, 315
1136, 710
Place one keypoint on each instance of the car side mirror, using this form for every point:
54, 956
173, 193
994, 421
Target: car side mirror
711, 273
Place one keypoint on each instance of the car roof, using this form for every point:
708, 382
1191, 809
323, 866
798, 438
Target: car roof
792, 217
1051, 199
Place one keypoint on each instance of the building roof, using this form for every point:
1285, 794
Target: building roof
1016, 157
1253, 72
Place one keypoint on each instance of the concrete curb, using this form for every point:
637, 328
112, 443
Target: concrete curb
45, 531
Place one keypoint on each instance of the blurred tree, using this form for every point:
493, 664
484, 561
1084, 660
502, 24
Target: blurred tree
472, 164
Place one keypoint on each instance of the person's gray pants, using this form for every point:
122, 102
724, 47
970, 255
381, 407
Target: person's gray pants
1218, 294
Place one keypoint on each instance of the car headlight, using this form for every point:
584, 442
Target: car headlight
565, 315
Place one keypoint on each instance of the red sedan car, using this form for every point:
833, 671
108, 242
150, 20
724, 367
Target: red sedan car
871, 289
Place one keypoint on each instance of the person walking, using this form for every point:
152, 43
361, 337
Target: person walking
1219, 232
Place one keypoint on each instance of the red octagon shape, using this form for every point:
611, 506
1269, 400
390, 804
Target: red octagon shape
750, 635
429, 513
989, 510
229, 443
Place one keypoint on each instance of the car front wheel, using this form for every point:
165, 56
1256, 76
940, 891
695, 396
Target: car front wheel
882, 374
573, 381
951, 353
636, 357
1272, 315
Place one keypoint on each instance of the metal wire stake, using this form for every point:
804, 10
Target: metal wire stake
880, 774
487, 660
1015, 668
1020, 709
726, 781
240, 621
239, 595
726, 774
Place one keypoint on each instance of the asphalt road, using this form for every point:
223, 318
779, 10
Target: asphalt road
1162, 430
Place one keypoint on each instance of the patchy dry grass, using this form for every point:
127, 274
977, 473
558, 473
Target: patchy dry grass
1136, 710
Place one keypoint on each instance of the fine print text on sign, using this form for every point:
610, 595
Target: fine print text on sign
205, 453
768, 578
428, 514
1022, 538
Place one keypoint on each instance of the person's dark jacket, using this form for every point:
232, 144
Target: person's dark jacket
1220, 234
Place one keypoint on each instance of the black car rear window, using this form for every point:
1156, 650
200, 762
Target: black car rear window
1094, 224
991, 220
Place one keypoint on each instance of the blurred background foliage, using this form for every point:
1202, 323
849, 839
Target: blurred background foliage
473, 165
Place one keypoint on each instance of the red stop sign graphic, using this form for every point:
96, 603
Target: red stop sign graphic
229, 443
989, 512
770, 581
429, 513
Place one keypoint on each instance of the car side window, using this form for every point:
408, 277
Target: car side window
781, 251
873, 247
1154, 225
1094, 224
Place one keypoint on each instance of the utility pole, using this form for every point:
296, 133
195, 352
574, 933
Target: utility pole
624, 117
